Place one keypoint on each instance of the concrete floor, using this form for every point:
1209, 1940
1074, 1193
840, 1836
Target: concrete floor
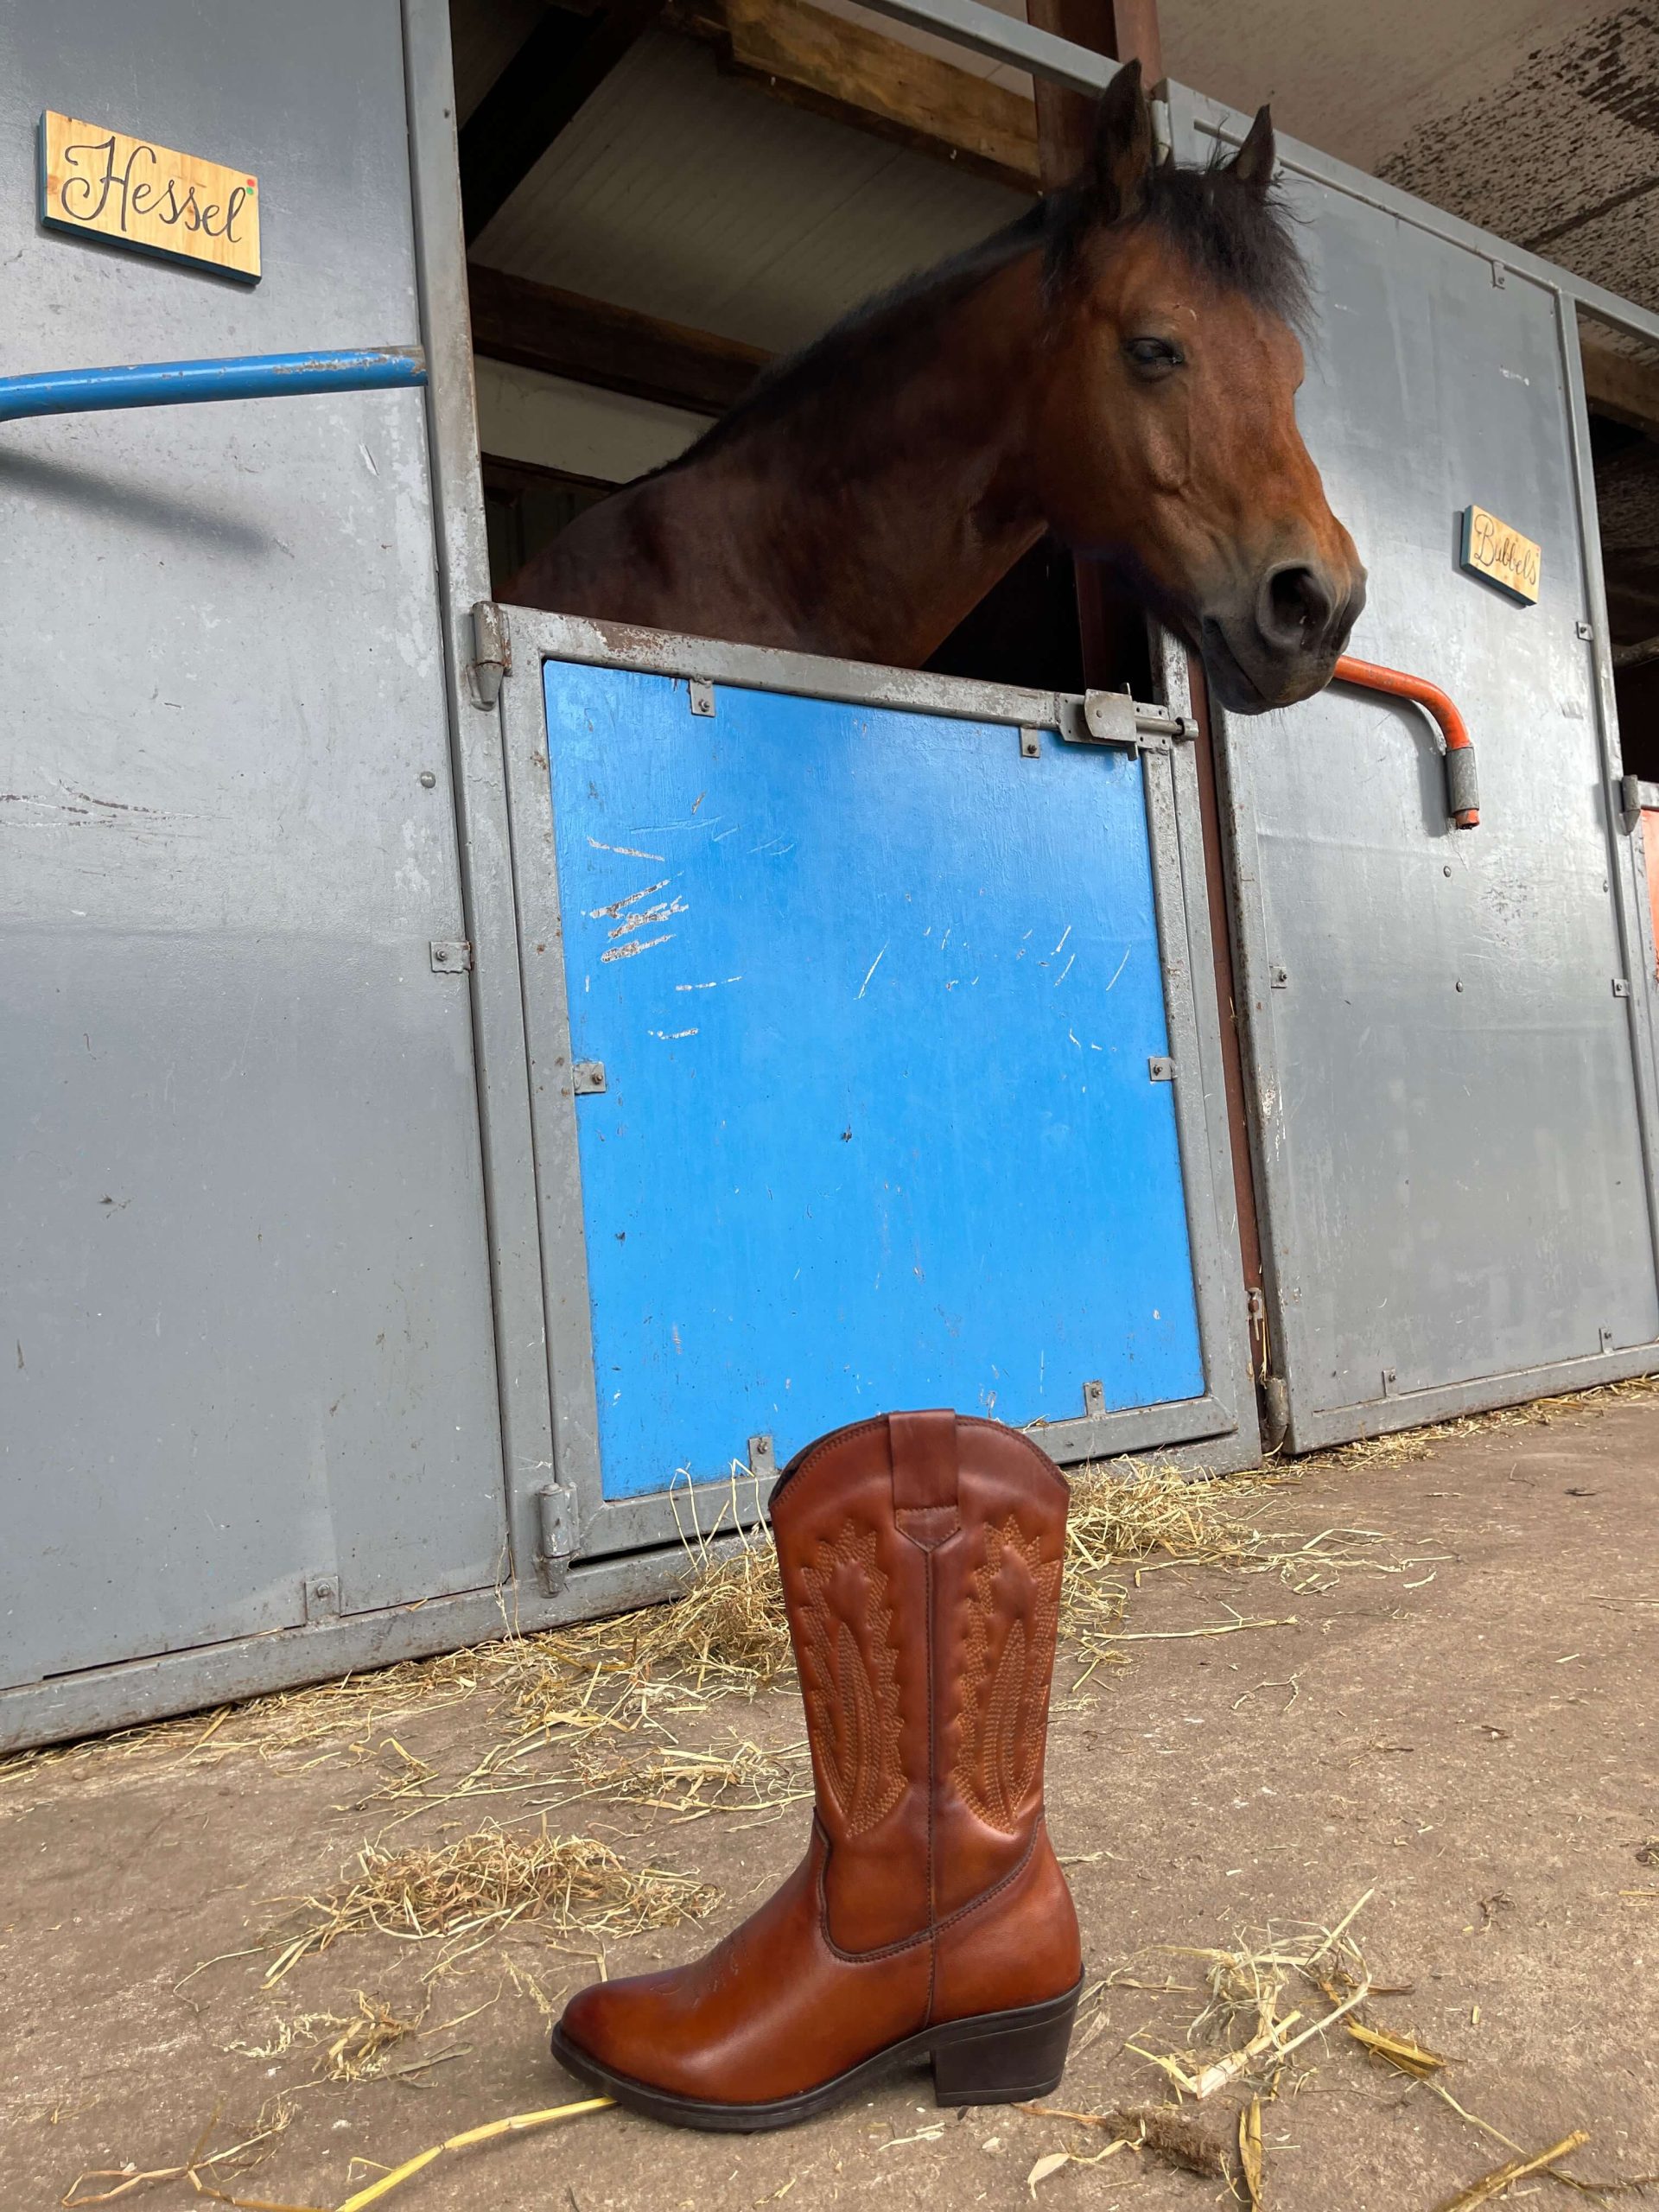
1474, 1738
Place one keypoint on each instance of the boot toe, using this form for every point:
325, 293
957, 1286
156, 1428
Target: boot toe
611, 2023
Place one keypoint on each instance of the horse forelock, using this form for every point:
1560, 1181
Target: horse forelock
1241, 237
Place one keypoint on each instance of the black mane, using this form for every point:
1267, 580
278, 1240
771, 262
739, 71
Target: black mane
1232, 232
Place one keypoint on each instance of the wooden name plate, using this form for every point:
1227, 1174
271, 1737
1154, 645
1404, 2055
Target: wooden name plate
1492, 549
129, 192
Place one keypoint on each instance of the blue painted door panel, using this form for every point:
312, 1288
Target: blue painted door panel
876, 998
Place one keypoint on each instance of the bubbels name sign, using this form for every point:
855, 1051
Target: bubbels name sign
129, 192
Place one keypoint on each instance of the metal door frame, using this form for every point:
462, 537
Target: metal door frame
1203, 1431
1200, 127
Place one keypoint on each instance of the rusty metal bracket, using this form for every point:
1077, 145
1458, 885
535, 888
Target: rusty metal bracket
321, 1599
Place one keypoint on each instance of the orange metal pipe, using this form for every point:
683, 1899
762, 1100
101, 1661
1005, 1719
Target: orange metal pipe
1399, 685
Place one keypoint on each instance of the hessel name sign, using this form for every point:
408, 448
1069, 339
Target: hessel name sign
130, 192
1493, 550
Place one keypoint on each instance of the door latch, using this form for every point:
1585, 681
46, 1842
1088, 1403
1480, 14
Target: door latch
1114, 718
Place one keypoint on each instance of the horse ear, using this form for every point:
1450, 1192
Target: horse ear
1253, 163
1120, 159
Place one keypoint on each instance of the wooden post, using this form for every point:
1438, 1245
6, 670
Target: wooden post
1113, 633
1124, 30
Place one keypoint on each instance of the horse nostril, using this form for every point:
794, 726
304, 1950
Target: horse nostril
1295, 608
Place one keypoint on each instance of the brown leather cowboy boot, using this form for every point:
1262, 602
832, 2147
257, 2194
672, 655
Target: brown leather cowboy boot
921, 1557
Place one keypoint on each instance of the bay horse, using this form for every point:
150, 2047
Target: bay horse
1120, 366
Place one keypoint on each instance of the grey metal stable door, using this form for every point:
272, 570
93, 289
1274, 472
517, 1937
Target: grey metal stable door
1447, 1026
249, 1381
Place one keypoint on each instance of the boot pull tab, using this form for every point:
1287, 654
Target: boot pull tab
923, 1447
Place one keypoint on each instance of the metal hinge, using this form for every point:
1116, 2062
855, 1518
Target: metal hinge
1621, 986
702, 694
451, 955
587, 1076
1113, 718
763, 1460
492, 661
1629, 800
556, 1531
1160, 1071
1093, 1402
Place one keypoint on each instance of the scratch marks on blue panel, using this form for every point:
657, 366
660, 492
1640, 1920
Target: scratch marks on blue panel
871, 969
620, 905
647, 917
639, 944
630, 852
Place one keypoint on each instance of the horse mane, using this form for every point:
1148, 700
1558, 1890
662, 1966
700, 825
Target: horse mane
1232, 232
885, 330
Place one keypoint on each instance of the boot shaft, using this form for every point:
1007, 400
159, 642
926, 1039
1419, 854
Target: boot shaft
921, 1556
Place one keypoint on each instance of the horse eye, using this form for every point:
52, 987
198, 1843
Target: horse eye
1153, 356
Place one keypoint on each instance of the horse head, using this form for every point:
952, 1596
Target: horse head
1163, 435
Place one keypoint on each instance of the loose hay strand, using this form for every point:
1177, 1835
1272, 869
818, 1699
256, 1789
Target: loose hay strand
1494, 2185
518, 2124
1250, 2152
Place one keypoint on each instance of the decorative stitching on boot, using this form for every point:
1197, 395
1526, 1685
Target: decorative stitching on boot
1005, 1691
852, 1677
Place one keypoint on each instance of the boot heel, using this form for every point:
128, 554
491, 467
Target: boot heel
1002, 2058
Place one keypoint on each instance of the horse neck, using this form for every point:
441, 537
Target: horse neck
884, 508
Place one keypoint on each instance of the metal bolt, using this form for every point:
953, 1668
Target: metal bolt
1446, 870
1460, 982
1584, 630
429, 781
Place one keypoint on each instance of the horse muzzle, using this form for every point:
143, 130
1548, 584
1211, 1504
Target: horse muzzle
1284, 643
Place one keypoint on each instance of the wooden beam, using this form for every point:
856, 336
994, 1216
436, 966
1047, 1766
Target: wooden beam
1124, 30
1619, 384
838, 67
563, 334
564, 58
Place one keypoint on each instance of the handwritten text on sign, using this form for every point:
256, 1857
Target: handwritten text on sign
1491, 549
147, 197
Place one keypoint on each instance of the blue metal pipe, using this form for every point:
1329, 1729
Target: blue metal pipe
170, 383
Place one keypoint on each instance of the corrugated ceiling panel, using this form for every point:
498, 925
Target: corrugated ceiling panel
693, 196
